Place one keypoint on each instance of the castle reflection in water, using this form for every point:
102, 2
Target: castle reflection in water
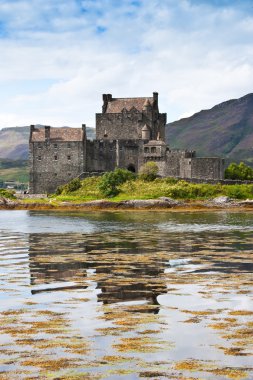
124, 270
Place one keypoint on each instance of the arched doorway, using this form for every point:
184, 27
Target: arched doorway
131, 168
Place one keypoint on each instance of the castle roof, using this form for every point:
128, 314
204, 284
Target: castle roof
116, 105
145, 128
58, 134
146, 103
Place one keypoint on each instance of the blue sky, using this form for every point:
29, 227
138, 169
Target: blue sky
58, 57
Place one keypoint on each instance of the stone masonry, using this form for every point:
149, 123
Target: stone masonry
129, 132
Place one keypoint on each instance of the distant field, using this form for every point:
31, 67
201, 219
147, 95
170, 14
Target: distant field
14, 170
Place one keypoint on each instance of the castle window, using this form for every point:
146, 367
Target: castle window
39, 158
55, 174
39, 145
69, 158
69, 145
153, 149
146, 150
55, 146
55, 158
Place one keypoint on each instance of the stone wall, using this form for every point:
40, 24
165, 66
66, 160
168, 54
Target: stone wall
100, 155
207, 168
185, 164
128, 124
54, 163
215, 181
129, 154
105, 155
119, 125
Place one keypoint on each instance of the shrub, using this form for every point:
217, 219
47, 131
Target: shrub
149, 171
110, 181
73, 185
7, 193
241, 191
59, 190
171, 180
239, 171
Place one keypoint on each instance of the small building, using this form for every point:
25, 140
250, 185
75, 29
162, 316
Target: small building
129, 132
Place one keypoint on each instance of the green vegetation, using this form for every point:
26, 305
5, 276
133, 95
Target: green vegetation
110, 182
149, 171
7, 164
137, 188
239, 171
73, 185
14, 170
7, 193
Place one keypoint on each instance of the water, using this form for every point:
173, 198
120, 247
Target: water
126, 295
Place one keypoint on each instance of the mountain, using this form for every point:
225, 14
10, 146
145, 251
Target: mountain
225, 130
14, 142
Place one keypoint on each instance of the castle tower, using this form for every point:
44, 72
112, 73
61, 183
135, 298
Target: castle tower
125, 118
145, 133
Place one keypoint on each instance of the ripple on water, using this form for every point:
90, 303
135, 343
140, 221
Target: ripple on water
149, 295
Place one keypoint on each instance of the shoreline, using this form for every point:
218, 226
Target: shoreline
161, 204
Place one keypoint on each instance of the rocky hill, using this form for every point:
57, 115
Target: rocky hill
225, 130
14, 142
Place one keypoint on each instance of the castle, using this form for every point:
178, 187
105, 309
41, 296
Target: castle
129, 133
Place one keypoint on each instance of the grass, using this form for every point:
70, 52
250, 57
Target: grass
161, 187
16, 174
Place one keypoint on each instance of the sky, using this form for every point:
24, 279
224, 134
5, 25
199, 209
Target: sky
57, 57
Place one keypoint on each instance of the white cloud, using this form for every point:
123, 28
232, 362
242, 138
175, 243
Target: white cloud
195, 55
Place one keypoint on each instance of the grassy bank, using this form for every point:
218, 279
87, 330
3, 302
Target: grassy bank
165, 187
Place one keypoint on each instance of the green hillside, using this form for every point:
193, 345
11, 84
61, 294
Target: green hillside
13, 170
225, 130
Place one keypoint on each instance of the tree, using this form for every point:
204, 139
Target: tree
149, 171
239, 171
110, 181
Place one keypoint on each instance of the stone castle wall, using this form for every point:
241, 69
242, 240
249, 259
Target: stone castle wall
129, 124
53, 164
207, 168
119, 125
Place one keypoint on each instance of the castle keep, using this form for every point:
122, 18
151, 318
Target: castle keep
129, 133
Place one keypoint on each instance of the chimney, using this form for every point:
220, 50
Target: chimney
84, 131
47, 133
32, 128
155, 97
106, 98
